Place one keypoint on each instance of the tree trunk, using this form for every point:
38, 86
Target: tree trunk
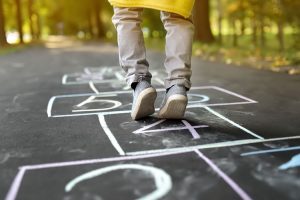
220, 17
243, 26
90, 25
234, 33
262, 33
30, 16
19, 20
254, 32
280, 35
38, 26
2, 26
242, 17
99, 25
203, 31
262, 23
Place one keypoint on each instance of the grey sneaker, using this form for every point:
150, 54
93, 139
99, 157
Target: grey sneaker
174, 104
144, 96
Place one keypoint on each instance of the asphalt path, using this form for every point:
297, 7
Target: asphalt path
65, 115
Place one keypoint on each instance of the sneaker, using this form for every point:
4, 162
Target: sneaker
144, 96
174, 104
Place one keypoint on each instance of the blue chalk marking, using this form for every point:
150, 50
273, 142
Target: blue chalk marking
294, 162
271, 151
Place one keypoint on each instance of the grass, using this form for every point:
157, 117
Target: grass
247, 54
11, 49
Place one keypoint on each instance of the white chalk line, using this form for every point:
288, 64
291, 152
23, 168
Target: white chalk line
49, 106
188, 126
103, 94
163, 181
116, 104
87, 70
64, 79
86, 101
218, 104
92, 86
159, 81
96, 161
191, 129
271, 151
239, 191
232, 122
119, 76
204, 98
14, 188
210, 146
158, 153
130, 92
129, 156
141, 130
174, 129
156, 109
94, 81
234, 94
110, 135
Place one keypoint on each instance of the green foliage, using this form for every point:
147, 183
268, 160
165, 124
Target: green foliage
247, 54
263, 32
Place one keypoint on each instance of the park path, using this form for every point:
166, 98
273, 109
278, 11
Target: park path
232, 111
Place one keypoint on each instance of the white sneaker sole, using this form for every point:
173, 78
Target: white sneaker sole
144, 105
174, 107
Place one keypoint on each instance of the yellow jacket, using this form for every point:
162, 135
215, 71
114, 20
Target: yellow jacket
181, 7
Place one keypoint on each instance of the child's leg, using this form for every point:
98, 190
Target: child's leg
132, 53
132, 56
179, 40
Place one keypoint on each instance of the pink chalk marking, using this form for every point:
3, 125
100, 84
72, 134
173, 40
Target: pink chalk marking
13, 191
191, 129
101, 160
225, 177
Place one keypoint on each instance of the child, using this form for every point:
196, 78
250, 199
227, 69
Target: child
176, 17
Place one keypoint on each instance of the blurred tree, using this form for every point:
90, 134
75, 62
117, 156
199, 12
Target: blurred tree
203, 31
2, 25
151, 21
30, 17
233, 13
220, 19
99, 24
33, 19
19, 20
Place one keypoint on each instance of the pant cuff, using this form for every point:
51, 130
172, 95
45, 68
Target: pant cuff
137, 78
182, 82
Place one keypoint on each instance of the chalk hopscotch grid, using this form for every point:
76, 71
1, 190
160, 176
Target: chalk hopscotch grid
119, 78
13, 191
17, 181
94, 71
103, 94
117, 146
120, 150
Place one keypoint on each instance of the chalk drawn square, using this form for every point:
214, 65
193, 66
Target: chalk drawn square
104, 74
119, 102
49, 181
101, 75
199, 128
260, 167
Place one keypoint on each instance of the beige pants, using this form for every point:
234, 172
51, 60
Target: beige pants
132, 52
